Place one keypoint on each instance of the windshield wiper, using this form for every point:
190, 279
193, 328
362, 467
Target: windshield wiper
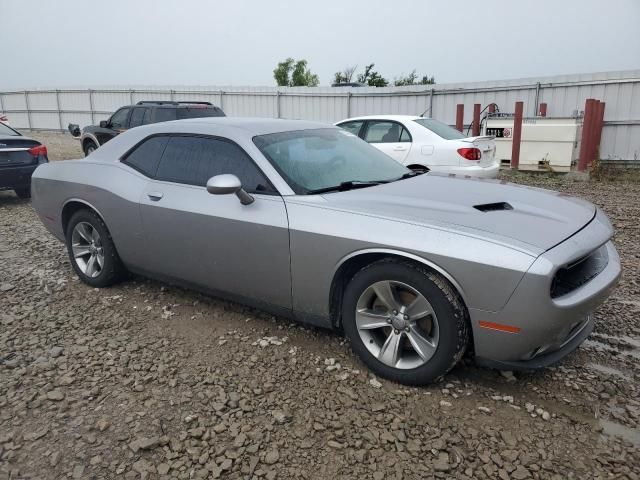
349, 185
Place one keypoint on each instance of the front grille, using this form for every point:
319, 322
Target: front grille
578, 273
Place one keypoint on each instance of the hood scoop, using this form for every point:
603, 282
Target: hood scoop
493, 207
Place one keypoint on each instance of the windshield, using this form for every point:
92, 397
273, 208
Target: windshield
441, 129
317, 159
6, 130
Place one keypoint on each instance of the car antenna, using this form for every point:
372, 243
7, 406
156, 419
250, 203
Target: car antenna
427, 110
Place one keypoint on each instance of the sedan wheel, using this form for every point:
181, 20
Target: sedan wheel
91, 250
404, 321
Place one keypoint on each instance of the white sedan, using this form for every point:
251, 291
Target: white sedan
419, 143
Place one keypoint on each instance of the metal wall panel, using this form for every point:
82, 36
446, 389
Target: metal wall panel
78, 101
564, 94
13, 101
43, 101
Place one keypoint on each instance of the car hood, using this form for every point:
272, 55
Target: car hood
526, 218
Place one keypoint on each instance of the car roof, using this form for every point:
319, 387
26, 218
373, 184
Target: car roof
398, 118
255, 126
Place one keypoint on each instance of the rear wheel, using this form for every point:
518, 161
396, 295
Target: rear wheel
91, 250
404, 321
24, 192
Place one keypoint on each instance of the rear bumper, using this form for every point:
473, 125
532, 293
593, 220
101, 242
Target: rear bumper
474, 171
543, 329
16, 177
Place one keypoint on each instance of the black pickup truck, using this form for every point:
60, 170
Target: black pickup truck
142, 113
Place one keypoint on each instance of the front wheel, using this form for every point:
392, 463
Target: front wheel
91, 250
404, 321
89, 149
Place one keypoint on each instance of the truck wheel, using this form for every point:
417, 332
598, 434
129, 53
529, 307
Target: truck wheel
24, 192
89, 148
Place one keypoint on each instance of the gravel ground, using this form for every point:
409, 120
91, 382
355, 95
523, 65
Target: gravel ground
145, 380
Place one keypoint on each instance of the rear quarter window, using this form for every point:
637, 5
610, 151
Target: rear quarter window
164, 115
199, 112
146, 156
441, 129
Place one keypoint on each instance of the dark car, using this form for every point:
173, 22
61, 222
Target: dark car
19, 157
142, 113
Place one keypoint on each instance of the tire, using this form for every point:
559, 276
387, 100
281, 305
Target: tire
24, 192
98, 245
445, 329
89, 148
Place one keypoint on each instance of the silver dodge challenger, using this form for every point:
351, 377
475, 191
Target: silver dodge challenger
308, 221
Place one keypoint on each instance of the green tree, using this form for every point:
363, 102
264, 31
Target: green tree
290, 73
345, 76
372, 78
302, 76
282, 71
427, 80
411, 80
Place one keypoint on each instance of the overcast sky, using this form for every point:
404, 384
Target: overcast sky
159, 42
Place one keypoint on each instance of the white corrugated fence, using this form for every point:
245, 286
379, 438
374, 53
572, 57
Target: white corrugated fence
565, 97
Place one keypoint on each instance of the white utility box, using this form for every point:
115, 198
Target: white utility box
545, 142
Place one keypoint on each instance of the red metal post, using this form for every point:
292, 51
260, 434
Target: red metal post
543, 110
460, 117
476, 120
586, 134
492, 108
599, 121
593, 134
517, 135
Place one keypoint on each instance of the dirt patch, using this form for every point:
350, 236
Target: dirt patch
60, 146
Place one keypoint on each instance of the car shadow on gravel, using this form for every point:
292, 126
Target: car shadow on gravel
8, 198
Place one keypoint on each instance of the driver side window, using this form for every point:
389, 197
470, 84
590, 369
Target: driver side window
119, 119
194, 160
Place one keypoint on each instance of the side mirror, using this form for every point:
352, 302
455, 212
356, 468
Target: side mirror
104, 123
226, 184
74, 129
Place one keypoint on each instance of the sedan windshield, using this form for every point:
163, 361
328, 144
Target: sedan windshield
441, 129
6, 130
327, 159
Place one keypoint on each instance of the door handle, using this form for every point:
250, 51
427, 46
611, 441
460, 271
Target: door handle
399, 149
155, 196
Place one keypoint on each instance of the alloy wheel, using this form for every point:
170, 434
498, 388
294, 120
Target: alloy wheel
87, 248
397, 324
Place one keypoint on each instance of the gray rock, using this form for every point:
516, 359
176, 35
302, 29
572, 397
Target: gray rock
144, 443
441, 464
271, 457
55, 395
520, 473
55, 352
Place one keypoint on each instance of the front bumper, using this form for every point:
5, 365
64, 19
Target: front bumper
16, 177
545, 359
545, 329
